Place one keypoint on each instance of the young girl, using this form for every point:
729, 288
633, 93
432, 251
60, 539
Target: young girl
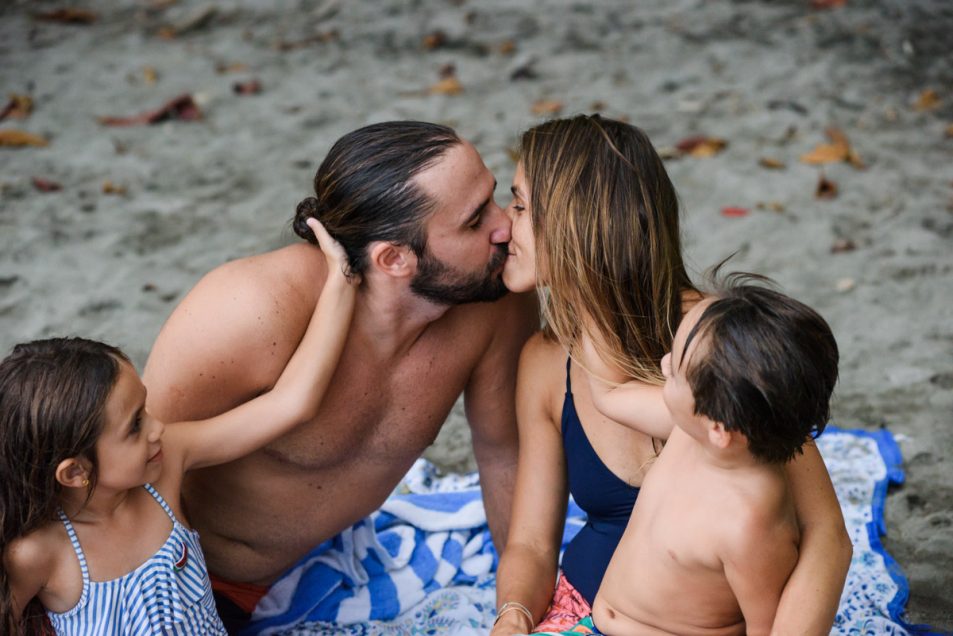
92, 524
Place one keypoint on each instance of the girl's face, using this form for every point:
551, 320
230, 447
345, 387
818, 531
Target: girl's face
519, 274
129, 449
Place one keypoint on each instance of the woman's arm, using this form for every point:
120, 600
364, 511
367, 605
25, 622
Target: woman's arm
298, 392
810, 598
527, 571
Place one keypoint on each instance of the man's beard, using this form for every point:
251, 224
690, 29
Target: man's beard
443, 284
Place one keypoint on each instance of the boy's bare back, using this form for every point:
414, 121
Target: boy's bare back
707, 549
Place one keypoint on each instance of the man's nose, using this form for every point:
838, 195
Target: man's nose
502, 226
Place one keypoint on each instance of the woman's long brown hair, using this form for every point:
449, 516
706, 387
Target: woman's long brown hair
605, 215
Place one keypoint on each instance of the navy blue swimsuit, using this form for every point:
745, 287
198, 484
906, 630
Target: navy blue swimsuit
606, 499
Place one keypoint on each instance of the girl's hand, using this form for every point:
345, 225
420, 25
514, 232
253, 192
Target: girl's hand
333, 252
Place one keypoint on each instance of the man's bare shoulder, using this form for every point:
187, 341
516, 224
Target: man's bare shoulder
233, 332
285, 280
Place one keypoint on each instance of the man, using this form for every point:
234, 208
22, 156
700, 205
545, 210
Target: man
413, 206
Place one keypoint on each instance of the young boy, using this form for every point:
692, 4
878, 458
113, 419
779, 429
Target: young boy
713, 536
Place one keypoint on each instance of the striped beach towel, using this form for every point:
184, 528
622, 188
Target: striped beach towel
424, 564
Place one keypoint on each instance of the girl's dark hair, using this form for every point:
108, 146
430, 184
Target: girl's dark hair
363, 190
52, 397
767, 367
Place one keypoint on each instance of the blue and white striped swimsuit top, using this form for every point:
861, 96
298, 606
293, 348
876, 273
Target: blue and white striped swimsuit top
168, 594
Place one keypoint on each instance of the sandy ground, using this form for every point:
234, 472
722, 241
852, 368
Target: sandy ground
767, 78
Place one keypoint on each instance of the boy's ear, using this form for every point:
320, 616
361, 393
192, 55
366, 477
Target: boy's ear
72, 473
392, 259
719, 436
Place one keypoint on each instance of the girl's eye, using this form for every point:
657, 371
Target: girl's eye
518, 208
136, 425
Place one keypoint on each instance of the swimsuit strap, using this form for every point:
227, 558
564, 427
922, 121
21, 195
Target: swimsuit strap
568, 381
76, 548
155, 495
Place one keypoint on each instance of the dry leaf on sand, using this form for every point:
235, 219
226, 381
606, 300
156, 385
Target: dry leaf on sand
927, 100
547, 107
45, 185
19, 138
447, 86
701, 146
734, 212
843, 245
838, 150
19, 107
826, 189
67, 15
434, 40
113, 188
182, 107
248, 87
827, 4
771, 164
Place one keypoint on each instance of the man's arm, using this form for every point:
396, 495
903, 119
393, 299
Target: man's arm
490, 403
810, 598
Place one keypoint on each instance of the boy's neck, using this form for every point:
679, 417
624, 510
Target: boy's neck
735, 456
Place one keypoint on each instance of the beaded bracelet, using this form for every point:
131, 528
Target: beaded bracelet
514, 605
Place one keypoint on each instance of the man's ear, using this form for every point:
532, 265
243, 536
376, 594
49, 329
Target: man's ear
392, 259
73, 473
719, 436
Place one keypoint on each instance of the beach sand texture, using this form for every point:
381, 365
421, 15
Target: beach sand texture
735, 93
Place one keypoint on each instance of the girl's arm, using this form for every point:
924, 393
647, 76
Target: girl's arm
297, 394
631, 403
527, 571
810, 598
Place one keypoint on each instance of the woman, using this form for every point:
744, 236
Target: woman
595, 221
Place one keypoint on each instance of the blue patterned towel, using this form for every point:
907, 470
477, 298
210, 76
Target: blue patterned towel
424, 563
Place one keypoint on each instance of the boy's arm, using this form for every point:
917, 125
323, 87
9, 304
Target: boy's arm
810, 598
757, 565
298, 392
629, 402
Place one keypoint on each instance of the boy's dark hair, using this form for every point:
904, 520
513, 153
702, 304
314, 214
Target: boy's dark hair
768, 367
363, 190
